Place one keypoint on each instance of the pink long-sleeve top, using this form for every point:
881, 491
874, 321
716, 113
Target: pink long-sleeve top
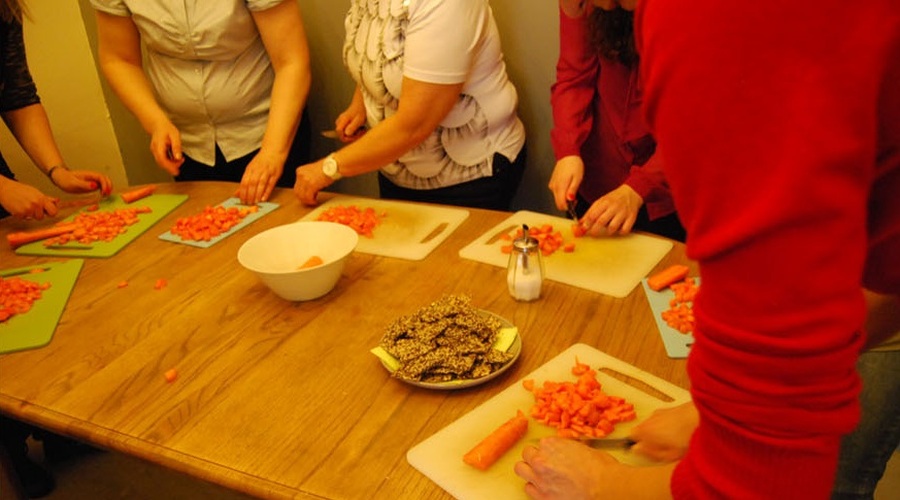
779, 126
597, 116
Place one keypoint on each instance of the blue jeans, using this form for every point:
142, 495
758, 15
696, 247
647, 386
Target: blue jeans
866, 451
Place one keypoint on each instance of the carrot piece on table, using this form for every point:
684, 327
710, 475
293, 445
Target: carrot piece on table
171, 375
667, 276
498, 442
160, 284
136, 194
23, 237
313, 261
122, 284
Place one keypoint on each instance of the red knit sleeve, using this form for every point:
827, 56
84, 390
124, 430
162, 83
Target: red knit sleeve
768, 129
576, 82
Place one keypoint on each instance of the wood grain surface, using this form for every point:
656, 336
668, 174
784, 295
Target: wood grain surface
274, 398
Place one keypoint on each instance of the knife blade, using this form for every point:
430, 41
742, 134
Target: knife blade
30, 270
608, 443
570, 208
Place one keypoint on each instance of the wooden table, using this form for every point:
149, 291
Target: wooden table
274, 398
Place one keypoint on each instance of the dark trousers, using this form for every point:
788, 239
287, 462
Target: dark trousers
233, 171
495, 192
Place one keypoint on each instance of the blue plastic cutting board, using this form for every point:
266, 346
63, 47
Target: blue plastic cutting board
264, 208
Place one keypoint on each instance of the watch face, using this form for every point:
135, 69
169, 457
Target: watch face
330, 168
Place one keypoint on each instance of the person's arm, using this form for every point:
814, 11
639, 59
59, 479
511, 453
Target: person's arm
282, 33
422, 108
882, 318
571, 98
24, 201
119, 52
31, 128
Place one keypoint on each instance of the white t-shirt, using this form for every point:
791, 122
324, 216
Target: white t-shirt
443, 42
209, 69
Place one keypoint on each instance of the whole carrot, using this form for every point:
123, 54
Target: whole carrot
23, 237
667, 276
137, 194
491, 448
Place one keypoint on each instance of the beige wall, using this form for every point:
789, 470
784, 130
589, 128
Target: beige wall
94, 130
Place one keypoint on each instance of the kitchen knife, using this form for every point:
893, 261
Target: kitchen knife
608, 443
30, 270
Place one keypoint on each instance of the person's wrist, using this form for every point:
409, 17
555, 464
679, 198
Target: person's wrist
53, 169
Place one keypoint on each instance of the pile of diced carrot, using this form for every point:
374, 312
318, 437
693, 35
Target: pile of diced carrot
549, 240
361, 220
94, 226
680, 314
18, 295
578, 409
210, 223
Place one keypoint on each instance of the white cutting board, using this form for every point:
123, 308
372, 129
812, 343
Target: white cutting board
611, 265
440, 456
407, 231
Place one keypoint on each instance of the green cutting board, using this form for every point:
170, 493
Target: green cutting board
160, 204
35, 328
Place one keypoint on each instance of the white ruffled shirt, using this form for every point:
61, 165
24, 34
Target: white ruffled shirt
443, 42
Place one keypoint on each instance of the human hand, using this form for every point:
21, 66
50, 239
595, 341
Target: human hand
565, 179
665, 435
559, 468
573, 8
612, 213
26, 202
260, 177
350, 125
165, 145
81, 181
310, 180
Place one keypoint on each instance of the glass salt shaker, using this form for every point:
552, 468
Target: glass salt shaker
525, 270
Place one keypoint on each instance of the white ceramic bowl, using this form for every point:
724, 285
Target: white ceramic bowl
275, 255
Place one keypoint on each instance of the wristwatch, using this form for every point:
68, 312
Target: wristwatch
330, 168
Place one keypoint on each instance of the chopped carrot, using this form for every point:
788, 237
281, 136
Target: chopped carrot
136, 194
578, 408
171, 375
363, 221
313, 261
23, 237
210, 222
680, 315
498, 442
18, 295
667, 276
98, 226
122, 284
160, 284
549, 240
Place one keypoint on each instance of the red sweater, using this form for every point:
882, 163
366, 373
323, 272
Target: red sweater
597, 116
779, 129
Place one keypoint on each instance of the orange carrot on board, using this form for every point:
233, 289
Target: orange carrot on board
667, 276
680, 314
210, 223
578, 409
23, 237
160, 284
363, 221
136, 194
171, 374
498, 442
17, 295
313, 261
